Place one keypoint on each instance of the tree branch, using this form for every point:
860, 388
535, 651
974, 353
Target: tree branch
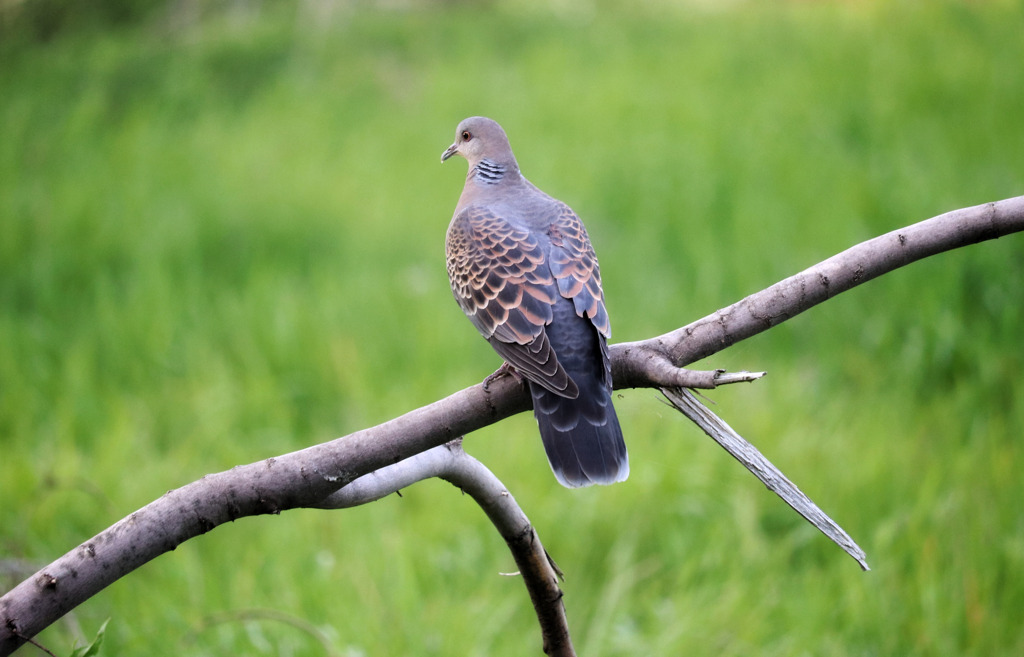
752, 459
656, 359
306, 478
538, 571
451, 463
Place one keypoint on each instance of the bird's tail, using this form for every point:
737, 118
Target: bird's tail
581, 436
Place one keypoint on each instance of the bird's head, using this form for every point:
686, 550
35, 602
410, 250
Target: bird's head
479, 138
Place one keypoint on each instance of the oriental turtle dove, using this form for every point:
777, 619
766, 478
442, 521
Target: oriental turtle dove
522, 268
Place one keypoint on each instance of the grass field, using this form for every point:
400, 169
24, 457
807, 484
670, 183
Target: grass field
221, 239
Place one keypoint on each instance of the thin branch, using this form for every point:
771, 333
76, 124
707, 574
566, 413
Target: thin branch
535, 566
637, 364
305, 478
451, 463
726, 378
741, 450
393, 478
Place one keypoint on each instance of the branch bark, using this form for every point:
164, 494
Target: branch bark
753, 460
538, 571
451, 463
308, 477
635, 363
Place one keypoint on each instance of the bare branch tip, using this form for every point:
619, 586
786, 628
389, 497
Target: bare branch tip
723, 378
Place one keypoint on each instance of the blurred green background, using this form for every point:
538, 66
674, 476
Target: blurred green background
221, 239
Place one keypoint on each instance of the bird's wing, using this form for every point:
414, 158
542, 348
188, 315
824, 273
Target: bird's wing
499, 277
574, 265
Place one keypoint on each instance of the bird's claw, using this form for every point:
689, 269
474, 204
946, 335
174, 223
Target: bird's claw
504, 370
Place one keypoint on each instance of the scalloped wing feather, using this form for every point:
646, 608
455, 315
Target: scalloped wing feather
574, 265
499, 277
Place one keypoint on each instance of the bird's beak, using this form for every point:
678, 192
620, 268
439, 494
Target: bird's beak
451, 150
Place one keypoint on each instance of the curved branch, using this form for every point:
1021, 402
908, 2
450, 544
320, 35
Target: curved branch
305, 478
451, 463
636, 364
298, 479
535, 566
686, 403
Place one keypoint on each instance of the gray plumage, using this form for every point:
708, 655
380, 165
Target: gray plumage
523, 270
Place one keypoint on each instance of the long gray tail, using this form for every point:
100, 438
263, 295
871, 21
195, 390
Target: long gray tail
581, 435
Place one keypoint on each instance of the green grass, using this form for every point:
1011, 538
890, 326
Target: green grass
221, 239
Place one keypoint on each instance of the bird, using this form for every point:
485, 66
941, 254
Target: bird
522, 268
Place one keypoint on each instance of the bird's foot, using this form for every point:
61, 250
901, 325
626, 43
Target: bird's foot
504, 370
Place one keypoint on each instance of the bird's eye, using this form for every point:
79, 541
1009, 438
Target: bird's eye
466, 136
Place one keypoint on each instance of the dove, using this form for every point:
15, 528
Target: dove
522, 268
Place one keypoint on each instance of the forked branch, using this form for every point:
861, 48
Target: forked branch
451, 463
308, 478
637, 363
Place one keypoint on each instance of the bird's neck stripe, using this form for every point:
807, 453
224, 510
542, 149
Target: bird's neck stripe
488, 172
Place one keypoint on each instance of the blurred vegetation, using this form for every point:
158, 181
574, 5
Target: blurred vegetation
221, 232
43, 20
